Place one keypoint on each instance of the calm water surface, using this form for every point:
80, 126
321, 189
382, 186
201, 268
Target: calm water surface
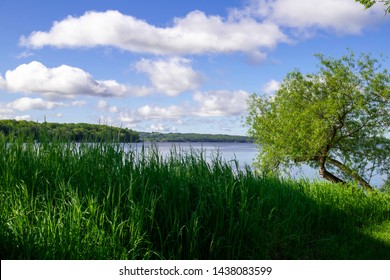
243, 153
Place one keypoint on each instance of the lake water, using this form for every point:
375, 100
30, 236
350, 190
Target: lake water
244, 153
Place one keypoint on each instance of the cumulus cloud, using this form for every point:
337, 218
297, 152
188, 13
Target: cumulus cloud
207, 104
128, 119
159, 127
78, 103
104, 106
5, 112
157, 112
170, 76
340, 16
23, 118
271, 86
196, 33
26, 103
146, 113
253, 29
221, 103
62, 81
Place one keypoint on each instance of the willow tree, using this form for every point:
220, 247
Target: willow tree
370, 3
336, 120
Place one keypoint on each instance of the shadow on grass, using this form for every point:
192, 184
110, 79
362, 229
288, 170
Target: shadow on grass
329, 223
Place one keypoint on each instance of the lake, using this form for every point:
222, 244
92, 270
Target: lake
244, 153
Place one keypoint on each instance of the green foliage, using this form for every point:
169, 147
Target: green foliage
386, 186
370, 3
337, 118
80, 132
63, 200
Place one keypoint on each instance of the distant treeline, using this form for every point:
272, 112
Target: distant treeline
81, 132
192, 137
78, 132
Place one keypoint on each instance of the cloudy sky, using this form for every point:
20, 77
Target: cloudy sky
170, 65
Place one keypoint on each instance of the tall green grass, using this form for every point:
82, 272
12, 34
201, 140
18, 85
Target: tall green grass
102, 201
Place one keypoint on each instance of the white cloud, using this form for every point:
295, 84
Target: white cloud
147, 113
26, 103
170, 76
251, 30
5, 112
156, 112
78, 103
159, 127
103, 105
24, 54
271, 86
340, 16
128, 119
23, 118
221, 103
62, 81
196, 33
106, 120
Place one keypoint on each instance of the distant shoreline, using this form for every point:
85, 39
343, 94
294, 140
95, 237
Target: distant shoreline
193, 137
98, 132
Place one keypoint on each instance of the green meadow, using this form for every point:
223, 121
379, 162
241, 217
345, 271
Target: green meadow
102, 201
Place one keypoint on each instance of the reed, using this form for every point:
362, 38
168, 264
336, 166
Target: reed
104, 201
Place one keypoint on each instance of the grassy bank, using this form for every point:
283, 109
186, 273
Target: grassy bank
64, 201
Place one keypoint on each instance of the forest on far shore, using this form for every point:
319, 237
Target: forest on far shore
81, 132
78, 132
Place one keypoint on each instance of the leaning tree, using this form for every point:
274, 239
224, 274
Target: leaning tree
336, 120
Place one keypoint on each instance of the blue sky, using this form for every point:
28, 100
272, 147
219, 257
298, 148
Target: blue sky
168, 66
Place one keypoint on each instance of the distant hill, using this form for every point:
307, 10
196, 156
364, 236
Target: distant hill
192, 137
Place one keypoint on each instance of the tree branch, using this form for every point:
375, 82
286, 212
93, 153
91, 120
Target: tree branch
351, 173
330, 177
326, 174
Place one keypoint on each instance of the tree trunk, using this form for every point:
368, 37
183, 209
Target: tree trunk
326, 174
350, 172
